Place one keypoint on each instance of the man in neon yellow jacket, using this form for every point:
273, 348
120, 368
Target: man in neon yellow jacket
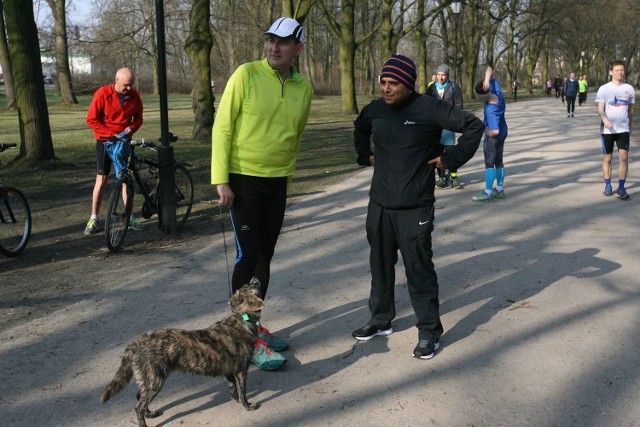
256, 138
583, 87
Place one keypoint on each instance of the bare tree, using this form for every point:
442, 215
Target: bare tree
344, 30
24, 52
298, 9
126, 35
5, 62
421, 42
198, 47
61, 49
347, 40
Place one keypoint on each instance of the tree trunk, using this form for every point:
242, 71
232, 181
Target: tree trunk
24, 52
5, 63
198, 46
389, 42
298, 10
310, 56
154, 48
347, 53
345, 32
62, 51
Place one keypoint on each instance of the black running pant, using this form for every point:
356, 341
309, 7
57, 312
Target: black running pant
571, 103
582, 98
256, 215
407, 230
442, 171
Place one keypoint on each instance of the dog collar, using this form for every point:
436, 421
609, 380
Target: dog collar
247, 318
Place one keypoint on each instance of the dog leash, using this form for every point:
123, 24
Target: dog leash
226, 256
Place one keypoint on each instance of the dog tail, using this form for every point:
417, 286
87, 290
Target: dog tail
121, 378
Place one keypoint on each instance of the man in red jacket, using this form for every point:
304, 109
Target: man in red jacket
115, 109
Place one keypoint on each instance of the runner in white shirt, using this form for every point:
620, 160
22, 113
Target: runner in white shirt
615, 105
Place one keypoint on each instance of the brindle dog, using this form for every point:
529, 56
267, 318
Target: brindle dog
225, 349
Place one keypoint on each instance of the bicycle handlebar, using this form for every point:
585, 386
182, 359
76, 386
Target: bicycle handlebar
6, 146
153, 144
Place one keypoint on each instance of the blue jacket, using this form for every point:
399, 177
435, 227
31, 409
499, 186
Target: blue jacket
494, 113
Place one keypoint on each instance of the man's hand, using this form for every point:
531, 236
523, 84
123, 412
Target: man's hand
493, 133
437, 162
226, 194
122, 135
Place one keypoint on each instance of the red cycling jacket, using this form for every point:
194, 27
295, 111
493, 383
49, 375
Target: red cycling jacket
108, 116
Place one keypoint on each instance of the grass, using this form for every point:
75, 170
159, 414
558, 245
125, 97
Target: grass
326, 156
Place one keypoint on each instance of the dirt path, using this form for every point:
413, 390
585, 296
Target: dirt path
61, 265
539, 300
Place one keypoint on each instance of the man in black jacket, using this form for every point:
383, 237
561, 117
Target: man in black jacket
405, 129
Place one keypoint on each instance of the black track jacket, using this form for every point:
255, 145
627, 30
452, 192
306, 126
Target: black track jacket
406, 137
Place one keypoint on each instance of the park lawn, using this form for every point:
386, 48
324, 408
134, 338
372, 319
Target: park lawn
326, 156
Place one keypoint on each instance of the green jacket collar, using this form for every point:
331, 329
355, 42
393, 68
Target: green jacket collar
294, 73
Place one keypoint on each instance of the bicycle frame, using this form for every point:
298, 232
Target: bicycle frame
122, 197
134, 170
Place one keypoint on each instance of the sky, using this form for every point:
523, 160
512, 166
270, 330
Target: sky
78, 11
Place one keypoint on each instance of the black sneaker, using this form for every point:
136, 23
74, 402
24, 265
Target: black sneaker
426, 349
370, 331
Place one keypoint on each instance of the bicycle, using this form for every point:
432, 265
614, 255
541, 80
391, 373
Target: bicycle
15, 217
120, 206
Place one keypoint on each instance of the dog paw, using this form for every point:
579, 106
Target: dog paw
253, 406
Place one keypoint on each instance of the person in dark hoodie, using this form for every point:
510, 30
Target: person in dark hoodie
449, 91
405, 129
571, 88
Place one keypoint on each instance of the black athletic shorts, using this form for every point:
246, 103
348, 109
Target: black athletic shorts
621, 140
103, 162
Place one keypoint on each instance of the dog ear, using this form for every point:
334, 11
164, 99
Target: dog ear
255, 303
255, 282
236, 299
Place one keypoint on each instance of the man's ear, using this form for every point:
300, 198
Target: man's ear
299, 47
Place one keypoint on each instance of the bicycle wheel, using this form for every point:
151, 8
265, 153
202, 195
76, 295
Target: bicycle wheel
15, 221
184, 195
118, 214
